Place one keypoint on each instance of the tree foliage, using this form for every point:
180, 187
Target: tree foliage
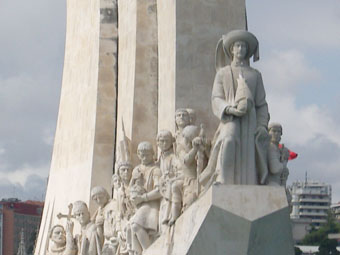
319, 236
297, 251
316, 236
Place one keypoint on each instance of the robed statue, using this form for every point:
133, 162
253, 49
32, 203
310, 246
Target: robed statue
239, 101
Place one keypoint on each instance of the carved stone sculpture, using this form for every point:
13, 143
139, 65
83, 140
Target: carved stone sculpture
277, 157
106, 219
124, 170
144, 223
168, 166
191, 144
61, 241
88, 242
241, 140
182, 119
192, 116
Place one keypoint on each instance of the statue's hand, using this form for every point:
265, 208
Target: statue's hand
137, 200
69, 226
236, 112
261, 131
196, 142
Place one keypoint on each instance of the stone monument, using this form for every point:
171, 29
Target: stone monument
139, 74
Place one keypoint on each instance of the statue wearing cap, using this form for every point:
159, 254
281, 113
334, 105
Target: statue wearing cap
239, 101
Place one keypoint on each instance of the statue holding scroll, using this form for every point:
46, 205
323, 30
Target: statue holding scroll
238, 100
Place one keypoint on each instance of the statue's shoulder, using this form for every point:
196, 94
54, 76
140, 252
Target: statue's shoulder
156, 170
255, 71
136, 169
91, 227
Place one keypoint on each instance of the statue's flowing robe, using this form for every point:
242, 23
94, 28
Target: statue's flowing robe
88, 242
147, 214
249, 164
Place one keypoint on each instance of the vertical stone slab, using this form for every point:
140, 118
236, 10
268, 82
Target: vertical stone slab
85, 137
188, 32
138, 71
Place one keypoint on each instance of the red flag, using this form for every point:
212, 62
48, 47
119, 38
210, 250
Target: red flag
292, 154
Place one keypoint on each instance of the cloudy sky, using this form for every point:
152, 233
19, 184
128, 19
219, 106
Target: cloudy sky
299, 48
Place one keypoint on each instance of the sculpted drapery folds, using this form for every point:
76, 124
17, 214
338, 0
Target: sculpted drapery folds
277, 158
238, 99
144, 223
89, 241
148, 200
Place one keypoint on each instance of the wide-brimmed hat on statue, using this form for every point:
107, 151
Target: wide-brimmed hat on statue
223, 53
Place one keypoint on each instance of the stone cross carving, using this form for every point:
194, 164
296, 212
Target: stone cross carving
67, 216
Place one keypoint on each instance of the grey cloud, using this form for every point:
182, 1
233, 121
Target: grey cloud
32, 36
34, 189
320, 158
32, 45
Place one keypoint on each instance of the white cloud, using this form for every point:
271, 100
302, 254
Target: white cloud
20, 175
307, 23
309, 129
285, 70
33, 189
283, 73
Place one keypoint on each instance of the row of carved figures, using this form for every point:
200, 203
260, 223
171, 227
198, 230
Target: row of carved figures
150, 197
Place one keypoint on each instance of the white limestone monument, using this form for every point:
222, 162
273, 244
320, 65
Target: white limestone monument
162, 144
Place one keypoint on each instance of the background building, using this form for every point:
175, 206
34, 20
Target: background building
336, 211
16, 215
311, 200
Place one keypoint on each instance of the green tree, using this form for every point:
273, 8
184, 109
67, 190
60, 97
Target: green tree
328, 247
320, 237
297, 251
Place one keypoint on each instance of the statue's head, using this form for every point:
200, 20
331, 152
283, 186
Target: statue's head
275, 131
240, 43
115, 181
100, 195
145, 153
182, 118
190, 132
192, 115
57, 235
81, 212
165, 140
124, 170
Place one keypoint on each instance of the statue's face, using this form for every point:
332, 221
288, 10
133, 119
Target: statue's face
145, 156
115, 182
164, 142
58, 236
276, 134
125, 173
239, 50
100, 199
82, 216
182, 119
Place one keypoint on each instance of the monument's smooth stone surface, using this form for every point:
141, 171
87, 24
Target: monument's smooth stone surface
85, 137
187, 35
231, 220
137, 72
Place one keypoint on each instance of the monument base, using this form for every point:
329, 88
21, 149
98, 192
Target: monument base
231, 220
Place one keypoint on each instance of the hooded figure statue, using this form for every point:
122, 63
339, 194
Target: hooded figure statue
238, 100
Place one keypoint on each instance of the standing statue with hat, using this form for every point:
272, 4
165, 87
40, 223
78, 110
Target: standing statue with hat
239, 101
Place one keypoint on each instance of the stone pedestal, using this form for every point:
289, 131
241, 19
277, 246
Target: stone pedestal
85, 136
187, 35
231, 220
